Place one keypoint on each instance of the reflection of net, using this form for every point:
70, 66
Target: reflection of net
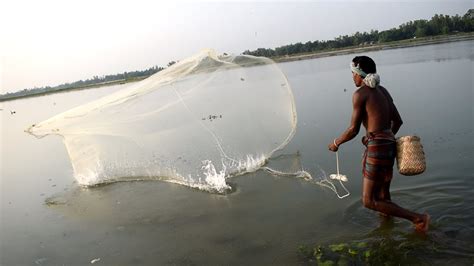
195, 123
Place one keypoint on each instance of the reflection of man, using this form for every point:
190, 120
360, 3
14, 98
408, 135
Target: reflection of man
373, 106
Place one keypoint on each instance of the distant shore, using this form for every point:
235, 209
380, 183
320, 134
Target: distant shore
343, 51
376, 47
4, 97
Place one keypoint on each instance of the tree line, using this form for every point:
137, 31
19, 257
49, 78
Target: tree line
107, 78
437, 25
92, 81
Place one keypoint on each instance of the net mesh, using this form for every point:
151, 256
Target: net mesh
195, 123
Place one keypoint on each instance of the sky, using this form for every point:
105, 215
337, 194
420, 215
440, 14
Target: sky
47, 43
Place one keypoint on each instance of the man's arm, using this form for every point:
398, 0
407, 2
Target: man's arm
394, 114
358, 105
396, 119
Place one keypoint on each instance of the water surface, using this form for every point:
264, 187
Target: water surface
47, 219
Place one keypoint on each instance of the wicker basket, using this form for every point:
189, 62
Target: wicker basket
410, 156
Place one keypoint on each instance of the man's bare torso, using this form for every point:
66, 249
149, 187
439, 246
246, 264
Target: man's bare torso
377, 114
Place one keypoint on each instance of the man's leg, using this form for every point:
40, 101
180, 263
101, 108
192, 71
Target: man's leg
371, 200
384, 192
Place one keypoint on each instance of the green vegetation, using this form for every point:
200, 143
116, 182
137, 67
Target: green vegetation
438, 25
378, 251
408, 33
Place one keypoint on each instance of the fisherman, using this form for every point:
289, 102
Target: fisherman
374, 108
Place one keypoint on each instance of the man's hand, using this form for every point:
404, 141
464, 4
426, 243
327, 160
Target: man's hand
332, 147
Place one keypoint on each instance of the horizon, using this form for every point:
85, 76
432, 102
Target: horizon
38, 51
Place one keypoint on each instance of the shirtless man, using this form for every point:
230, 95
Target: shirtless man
374, 108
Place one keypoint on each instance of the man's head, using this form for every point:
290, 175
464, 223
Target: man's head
362, 66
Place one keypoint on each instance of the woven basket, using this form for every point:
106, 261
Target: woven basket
410, 156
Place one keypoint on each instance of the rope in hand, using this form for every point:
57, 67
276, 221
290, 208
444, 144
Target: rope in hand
338, 175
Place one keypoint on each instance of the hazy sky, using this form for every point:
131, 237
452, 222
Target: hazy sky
53, 42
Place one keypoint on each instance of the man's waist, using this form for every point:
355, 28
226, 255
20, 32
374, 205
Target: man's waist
385, 134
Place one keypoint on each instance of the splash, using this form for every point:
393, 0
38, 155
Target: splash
196, 123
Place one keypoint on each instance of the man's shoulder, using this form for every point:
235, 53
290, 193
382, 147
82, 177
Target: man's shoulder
360, 95
382, 88
362, 91
385, 92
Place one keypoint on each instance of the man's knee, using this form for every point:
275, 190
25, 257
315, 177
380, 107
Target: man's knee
368, 202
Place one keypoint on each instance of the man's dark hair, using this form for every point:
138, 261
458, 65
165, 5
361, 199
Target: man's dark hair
365, 63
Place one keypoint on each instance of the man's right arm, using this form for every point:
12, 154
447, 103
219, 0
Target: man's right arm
358, 105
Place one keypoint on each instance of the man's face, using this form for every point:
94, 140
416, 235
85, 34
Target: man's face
357, 79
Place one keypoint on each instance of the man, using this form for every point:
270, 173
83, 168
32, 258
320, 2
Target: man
374, 108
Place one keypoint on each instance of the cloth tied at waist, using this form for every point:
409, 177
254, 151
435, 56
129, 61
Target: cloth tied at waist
379, 155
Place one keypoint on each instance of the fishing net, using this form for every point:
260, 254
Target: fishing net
195, 123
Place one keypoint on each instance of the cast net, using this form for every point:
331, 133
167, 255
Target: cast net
203, 119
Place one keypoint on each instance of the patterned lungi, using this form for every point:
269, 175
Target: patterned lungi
379, 155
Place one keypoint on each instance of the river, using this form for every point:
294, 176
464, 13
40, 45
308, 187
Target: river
48, 219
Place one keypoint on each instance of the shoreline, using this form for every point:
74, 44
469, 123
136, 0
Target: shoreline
85, 87
377, 47
289, 58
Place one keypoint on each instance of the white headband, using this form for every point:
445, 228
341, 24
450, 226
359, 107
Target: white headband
371, 80
358, 70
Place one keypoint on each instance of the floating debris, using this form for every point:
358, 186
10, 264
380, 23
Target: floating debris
95, 260
52, 201
211, 117
40, 261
